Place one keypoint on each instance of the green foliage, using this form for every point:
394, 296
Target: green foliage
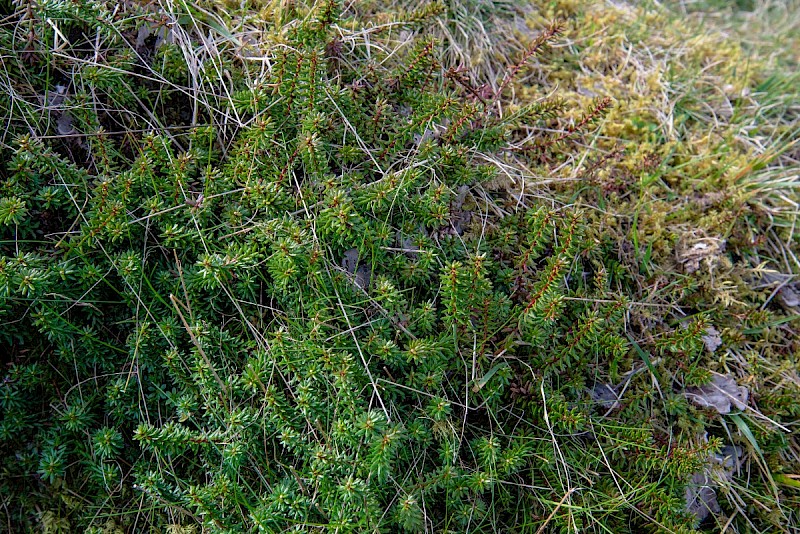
310, 324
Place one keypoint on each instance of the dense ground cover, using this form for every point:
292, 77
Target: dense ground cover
466, 266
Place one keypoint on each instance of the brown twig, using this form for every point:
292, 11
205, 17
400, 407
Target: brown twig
554, 29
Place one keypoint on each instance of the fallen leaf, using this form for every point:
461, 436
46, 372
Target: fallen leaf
604, 395
64, 124
350, 260
360, 273
701, 494
712, 339
701, 497
721, 394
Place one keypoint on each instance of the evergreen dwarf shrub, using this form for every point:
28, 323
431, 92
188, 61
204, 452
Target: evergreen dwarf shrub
314, 319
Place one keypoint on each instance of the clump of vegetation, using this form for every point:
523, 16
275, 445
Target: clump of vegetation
293, 285
693, 174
